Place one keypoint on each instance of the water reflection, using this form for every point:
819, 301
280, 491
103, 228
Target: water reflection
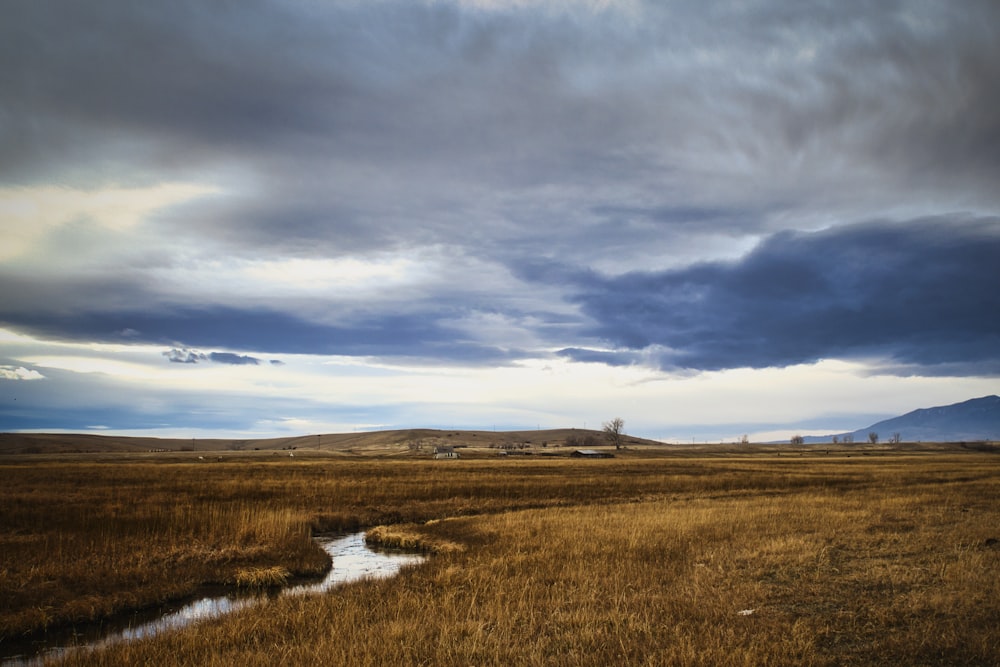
352, 561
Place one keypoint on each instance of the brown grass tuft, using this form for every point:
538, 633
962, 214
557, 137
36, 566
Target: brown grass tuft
262, 577
408, 537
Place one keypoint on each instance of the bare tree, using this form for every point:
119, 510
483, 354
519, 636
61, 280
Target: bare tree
873, 438
614, 430
797, 440
745, 439
849, 439
896, 437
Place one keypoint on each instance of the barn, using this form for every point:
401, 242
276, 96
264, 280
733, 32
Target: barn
445, 452
591, 454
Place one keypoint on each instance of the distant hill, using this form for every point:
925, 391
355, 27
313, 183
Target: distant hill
969, 421
409, 442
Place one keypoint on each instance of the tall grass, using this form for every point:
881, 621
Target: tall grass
77, 547
655, 562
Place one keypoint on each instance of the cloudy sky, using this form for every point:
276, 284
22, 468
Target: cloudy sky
709, 219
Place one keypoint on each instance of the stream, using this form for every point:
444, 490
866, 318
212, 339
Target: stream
352, 561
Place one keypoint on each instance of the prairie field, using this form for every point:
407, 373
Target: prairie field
731, 558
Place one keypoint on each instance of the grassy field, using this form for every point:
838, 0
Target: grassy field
677, 557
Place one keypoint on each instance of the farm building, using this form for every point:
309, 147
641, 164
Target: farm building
445, 452
591, 454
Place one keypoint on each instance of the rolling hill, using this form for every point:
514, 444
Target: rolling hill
365, 443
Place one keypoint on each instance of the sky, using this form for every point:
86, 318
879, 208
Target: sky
711, 219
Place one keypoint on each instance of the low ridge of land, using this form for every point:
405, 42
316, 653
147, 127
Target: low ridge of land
424, 443
407, 441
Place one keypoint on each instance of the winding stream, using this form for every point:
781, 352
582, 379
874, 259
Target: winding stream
352, 561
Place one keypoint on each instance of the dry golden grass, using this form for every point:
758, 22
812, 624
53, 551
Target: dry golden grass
855, 561
262, 577
79, 542
410, 537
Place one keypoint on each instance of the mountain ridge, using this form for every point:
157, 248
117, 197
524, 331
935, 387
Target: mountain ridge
973, 420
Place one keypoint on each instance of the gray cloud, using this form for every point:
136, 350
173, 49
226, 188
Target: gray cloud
605, 159
185, 356
919, 293
608, 357
233, 359
178, 356
420, 335
367, 125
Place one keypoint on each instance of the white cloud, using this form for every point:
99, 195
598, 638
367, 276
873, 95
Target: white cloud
19, 373
349, 279
31, 213
94, 364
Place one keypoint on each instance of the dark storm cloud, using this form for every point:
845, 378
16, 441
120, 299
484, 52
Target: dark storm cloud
364, 125
608, 357
548, 139
922, 294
